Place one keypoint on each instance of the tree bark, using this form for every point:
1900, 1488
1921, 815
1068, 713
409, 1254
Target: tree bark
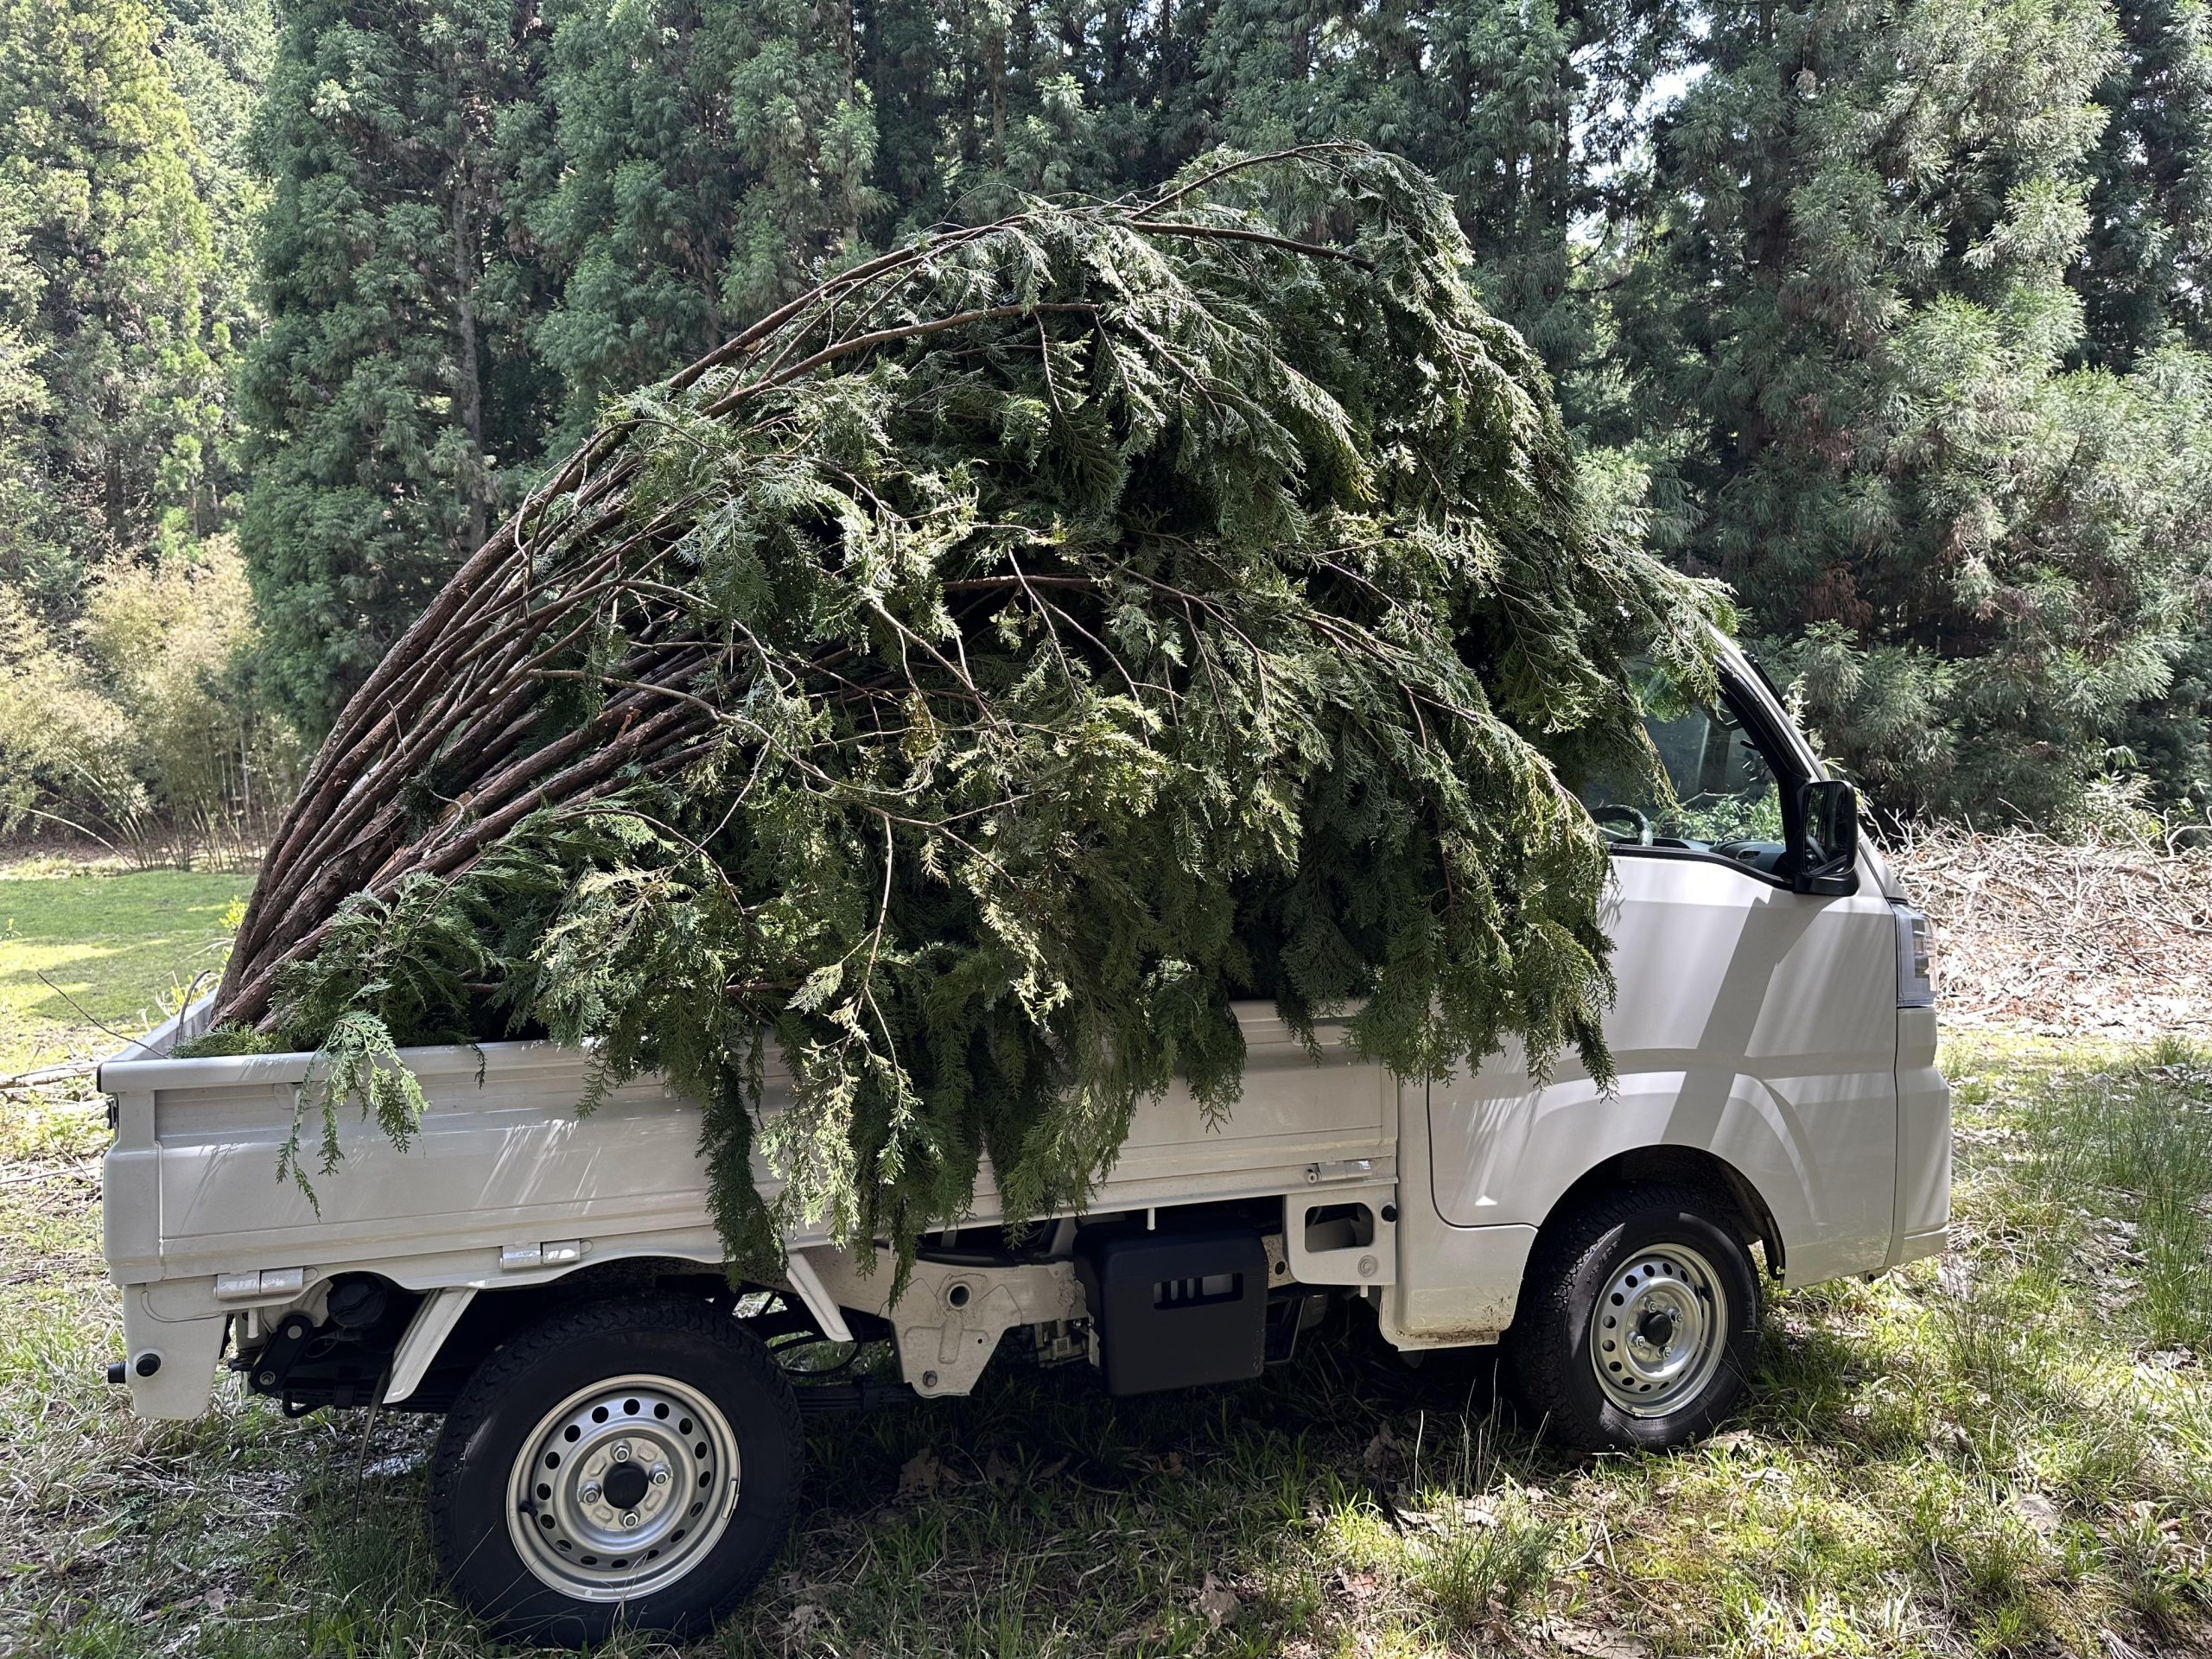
468, 387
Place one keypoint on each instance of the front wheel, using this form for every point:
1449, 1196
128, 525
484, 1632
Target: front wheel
624, 1464
1638, 1324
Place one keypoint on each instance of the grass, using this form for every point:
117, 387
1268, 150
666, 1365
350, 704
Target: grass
2007, 1453
80, 950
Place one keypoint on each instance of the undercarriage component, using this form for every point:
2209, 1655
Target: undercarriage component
338, 1361
949, 1323
1175, 1309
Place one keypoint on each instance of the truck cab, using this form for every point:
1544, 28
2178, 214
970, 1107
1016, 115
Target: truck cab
622, 1423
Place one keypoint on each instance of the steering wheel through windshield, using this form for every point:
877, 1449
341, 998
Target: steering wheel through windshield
1639, 826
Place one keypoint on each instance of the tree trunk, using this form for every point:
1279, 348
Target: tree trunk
468, 389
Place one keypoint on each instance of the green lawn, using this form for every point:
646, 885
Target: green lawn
2008, 1452
79, 951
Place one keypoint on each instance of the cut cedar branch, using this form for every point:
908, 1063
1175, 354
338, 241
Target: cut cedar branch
972, 677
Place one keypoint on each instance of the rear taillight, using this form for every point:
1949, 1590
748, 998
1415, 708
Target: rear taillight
1915, 959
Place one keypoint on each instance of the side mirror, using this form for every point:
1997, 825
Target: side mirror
1827, 838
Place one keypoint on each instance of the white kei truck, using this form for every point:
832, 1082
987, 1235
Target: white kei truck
622, 1443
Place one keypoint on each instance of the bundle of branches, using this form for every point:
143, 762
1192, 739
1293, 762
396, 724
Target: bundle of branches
974, 675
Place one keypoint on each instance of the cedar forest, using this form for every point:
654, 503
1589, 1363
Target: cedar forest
1891, 317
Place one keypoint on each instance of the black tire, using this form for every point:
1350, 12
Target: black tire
500, 1415
1581, 1262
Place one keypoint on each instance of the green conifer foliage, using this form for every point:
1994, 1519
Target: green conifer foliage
978, 672
690, 164
105, 249
2143, 275
980, 102
391, 393
218, 53
1520, 112
1850, 343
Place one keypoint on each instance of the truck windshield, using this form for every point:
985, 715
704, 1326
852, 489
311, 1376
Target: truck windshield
1715, 792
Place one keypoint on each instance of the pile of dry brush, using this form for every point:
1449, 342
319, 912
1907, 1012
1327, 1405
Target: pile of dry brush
2110, 934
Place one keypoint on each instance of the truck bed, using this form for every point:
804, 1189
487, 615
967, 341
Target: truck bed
506, 1186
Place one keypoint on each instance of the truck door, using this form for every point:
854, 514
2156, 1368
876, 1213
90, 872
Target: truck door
1752, 1020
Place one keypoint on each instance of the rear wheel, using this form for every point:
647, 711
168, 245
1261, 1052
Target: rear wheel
632, 1463
1638, 1323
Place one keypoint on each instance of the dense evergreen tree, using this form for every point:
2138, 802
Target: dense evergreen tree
1522, 113
688, 164
218, 53
1850, 331
24, 498
979, 103
111, 373
2148, 257
392, 394
126, 212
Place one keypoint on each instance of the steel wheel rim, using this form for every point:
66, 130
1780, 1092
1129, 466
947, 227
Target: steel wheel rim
623, 1487
1659, 1330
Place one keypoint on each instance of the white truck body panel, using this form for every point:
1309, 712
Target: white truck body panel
1751, 1018
503, 1167
504, 1160
1756, 1025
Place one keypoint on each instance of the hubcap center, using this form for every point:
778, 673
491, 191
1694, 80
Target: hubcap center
625, 1486
1655, 1329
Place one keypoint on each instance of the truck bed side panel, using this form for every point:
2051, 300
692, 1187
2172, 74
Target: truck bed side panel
504, 1160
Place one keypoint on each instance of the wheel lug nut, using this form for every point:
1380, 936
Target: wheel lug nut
630, 1519
590, 1493
660, 1476
621, 1452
